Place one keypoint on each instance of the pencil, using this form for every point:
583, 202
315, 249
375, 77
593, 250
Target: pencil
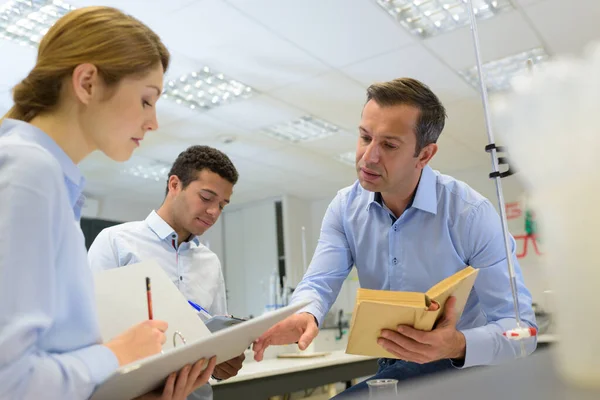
149, 297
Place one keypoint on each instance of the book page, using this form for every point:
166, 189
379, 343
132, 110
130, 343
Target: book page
391, 297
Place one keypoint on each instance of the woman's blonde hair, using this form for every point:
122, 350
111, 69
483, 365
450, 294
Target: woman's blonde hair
117, 44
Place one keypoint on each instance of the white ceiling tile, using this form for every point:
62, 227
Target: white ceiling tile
198, 128
247, 146
415, 62
203, 25
333, 145
182, 64
251, 169
148, 12
332, 97
339, 32
505, 34
135, 6
169, 112
295, 161
566, 28
527, 2
162, 148
261, 60
256, 112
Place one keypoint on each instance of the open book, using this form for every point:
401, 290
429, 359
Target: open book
121, 302
384, 309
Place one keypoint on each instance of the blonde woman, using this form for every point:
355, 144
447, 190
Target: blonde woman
95, 85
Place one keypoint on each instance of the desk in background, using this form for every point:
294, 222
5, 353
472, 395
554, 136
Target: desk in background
278, 376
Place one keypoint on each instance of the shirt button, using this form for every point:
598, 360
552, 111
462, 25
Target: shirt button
395, 228
395, 261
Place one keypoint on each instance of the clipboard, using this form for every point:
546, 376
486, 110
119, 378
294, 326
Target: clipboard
121, 302
144, 375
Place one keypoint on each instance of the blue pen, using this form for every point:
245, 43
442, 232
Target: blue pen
198, 307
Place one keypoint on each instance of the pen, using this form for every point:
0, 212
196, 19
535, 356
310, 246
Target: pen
198, 307
149, 297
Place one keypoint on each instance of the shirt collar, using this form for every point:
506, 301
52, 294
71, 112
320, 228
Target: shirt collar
425, 197
162, 229
74, 180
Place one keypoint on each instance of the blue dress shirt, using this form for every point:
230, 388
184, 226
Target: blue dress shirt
49, 336
447, 227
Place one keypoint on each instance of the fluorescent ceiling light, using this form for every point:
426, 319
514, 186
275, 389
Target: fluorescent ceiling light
147, 169
426, 18
347, 158
303, 129
498, 73
205, 89
27, 21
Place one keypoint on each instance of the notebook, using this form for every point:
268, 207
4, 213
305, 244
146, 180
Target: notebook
376, 310
121, 302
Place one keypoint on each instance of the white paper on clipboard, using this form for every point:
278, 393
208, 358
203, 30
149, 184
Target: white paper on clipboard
140, 377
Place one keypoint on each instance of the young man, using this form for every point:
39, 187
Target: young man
406, 227
199, 186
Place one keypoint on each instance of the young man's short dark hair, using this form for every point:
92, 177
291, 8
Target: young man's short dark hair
197, 158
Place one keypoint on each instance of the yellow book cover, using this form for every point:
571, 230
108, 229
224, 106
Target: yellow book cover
376, 310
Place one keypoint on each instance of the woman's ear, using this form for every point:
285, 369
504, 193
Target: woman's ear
85, 82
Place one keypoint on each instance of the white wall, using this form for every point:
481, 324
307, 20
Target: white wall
296, 214
250, 256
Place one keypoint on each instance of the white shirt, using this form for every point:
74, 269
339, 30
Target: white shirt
192, 267
49, 335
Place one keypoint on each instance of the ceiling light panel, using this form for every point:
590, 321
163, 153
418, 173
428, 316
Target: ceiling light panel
426, 18
303, 129
27, 21
147, 169
206, 89
498, 73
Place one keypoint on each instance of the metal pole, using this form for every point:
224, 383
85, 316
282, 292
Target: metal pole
501, 204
